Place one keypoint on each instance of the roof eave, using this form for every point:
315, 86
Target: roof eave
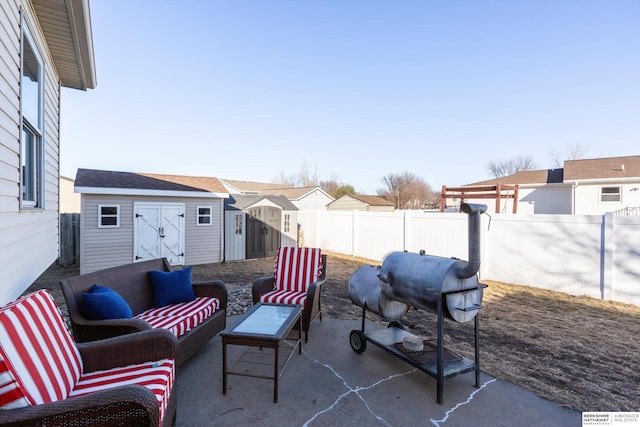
76, 70
147, 192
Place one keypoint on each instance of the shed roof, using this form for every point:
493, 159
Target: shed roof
243, 201
114, 182
66, 25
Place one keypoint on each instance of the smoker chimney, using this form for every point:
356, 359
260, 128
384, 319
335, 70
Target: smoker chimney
474, 211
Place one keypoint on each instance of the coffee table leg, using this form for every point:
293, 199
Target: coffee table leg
300, 335
224, 368
275, 375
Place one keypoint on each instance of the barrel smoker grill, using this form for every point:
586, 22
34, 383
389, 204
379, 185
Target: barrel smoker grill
447, 286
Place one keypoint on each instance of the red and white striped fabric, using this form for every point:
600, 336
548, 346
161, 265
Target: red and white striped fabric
40, 362
297, 268
156, 376
182, 317
285, 297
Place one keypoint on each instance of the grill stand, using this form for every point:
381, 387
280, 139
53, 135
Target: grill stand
441, 370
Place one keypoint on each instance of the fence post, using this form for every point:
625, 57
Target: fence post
606, 257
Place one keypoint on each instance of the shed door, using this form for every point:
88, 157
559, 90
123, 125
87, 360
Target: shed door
263, 231
159, 232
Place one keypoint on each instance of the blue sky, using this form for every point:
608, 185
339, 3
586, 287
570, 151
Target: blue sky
354, 90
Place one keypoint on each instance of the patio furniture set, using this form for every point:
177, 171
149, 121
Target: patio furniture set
133, 326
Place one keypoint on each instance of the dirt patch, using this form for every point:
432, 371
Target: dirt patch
579, 352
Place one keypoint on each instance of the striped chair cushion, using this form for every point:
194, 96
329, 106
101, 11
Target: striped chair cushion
156, 376
285, 297
182, 317
40, 361
297, 268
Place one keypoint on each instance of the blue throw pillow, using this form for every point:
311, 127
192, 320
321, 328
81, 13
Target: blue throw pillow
102, 303
171, 287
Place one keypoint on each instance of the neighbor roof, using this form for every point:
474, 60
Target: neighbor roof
113, 182
66, 25
370, 200
544, 176
294, 192
252, 186
604, 168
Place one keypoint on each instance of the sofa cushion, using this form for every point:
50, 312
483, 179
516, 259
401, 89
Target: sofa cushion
40, 360
171, 287
182, 317
156, 376
102, 303
285, 297
297, 268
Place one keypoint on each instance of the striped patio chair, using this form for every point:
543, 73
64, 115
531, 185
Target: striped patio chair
297, 278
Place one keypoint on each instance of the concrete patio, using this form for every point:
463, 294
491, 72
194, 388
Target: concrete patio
330, 385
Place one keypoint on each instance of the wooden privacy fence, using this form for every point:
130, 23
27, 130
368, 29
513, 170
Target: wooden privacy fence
69, 239
497, 192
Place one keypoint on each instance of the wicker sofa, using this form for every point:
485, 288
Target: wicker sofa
50, 380
133, 283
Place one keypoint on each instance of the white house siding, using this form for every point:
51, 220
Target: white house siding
539, 199
108, 247
29, 238
312, 201
587, 197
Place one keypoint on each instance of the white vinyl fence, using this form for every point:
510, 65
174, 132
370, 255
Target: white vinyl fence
593, 255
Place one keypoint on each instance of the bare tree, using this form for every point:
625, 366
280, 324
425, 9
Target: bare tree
407, 191
307, 178
509, 167
282, 178
573, 152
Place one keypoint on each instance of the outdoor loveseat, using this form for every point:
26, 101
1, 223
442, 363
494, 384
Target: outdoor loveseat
194, 322
49, 380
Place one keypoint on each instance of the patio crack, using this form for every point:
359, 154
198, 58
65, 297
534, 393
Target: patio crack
437, 423
351, 390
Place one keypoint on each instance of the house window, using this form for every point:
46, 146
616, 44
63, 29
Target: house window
287, 222
108, 216
32, 111
610, 194
204, 215
238, 224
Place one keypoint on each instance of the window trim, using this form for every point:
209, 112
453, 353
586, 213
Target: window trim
209, 215
238, 224
602, 194
36, 161
101, 216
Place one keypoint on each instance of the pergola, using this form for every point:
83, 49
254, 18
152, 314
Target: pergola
497, 192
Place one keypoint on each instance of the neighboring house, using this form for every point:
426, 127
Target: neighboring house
361, 203
250, 187
304, 198
129, 217
44, 45
582, 187
257, 225
69, 199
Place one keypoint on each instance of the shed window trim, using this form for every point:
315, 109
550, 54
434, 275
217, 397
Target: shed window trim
204, 216
108, 216
611, 194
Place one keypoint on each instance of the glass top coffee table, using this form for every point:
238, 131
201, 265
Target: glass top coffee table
266, 326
